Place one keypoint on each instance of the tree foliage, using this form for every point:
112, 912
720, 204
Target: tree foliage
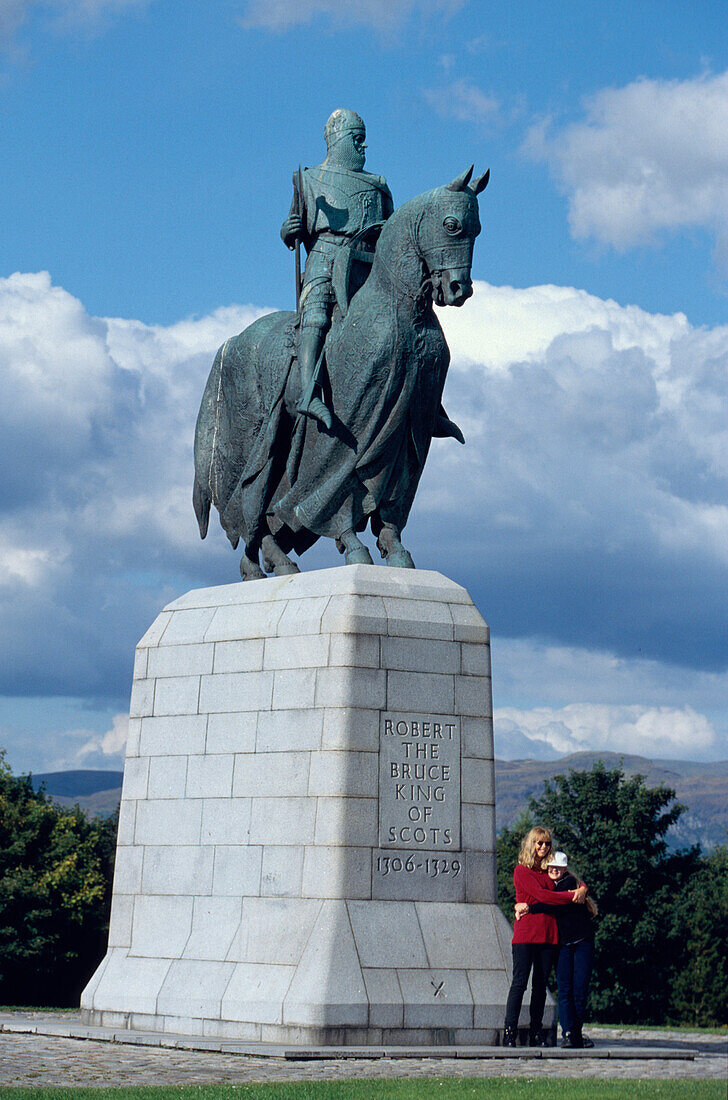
656, 957
699, 990
55, 889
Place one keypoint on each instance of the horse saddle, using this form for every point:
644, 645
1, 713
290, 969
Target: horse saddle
353, 264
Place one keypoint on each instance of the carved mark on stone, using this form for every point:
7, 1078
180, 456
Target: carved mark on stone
436, 987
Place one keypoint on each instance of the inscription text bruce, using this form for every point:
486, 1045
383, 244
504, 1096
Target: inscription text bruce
419, 782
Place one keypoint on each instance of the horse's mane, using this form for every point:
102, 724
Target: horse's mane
405, 217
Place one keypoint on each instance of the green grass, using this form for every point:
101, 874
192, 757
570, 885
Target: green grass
722, 1030
442, 1088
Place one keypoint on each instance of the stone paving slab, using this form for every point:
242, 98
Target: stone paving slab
71, 1029
39, 1060
30, 1057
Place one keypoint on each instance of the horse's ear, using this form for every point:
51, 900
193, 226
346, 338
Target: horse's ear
480, 183
462, 181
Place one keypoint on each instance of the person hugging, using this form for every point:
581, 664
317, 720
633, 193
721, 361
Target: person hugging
535, 936
575, 925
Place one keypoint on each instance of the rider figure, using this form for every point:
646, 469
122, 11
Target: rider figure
333, 203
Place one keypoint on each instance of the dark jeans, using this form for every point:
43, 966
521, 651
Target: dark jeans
540, 957
573, 971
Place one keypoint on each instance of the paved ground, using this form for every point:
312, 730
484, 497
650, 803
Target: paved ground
36, 1059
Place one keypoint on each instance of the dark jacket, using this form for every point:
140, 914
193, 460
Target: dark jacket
574, 922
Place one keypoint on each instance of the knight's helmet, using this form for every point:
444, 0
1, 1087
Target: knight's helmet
339, 123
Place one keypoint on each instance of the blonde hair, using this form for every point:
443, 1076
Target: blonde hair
527, 855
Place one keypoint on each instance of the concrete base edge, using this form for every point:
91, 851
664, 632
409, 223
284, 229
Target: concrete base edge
298, 1035
72, 1029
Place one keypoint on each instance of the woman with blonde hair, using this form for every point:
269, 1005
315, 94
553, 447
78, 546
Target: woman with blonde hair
535, 936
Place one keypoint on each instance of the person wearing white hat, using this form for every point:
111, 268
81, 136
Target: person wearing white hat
576, 951
558, 859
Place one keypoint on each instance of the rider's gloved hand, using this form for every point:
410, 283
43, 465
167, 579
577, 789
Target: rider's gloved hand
291, 229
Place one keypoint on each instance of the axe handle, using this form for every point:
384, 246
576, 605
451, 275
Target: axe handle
297, 250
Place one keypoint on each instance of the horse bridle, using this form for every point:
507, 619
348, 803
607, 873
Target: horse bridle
433, 275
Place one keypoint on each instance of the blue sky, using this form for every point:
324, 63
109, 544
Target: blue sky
148, 150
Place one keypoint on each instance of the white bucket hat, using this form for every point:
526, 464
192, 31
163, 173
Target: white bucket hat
558, 859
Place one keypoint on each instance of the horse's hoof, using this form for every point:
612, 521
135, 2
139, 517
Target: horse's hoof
392, 549
250, 570
285, 569
280, 568
400, 558
358, 556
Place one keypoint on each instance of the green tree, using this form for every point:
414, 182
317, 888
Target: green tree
699, 989
613, 830
55, 887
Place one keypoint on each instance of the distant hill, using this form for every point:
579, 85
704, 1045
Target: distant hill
702, 787
77, 784
96, 792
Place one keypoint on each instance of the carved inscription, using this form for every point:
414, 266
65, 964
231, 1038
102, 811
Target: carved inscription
399, 875
419, 782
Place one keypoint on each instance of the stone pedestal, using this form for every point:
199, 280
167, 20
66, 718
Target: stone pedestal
307, 826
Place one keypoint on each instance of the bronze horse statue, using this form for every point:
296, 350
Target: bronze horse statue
280, 480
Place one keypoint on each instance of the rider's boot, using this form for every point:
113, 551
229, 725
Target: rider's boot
353, 549
309, 345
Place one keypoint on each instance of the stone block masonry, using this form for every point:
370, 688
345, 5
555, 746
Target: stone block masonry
306, 847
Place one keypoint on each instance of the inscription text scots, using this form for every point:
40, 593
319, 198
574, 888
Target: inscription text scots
419, 782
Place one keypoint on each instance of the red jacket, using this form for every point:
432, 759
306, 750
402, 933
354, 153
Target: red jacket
532, 886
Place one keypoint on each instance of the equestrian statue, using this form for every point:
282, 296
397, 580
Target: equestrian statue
317, 423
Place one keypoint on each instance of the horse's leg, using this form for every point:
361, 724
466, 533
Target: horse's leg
353, 549
249, 565
392, 549
274, 560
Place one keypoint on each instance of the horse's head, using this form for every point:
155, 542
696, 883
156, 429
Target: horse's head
444, 237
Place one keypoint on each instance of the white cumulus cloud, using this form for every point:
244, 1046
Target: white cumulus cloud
648, 157
102, 750
587, 514
592, 426
96, 426
641, 730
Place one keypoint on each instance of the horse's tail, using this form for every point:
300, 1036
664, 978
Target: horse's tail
204, 446
201, 501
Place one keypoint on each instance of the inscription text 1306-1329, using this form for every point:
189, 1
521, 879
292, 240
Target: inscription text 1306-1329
419, 782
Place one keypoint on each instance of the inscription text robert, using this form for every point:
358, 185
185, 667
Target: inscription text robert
419, 782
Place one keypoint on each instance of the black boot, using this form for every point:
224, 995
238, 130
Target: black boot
583, 1040
510, 1036
569, 1040
537, 1037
